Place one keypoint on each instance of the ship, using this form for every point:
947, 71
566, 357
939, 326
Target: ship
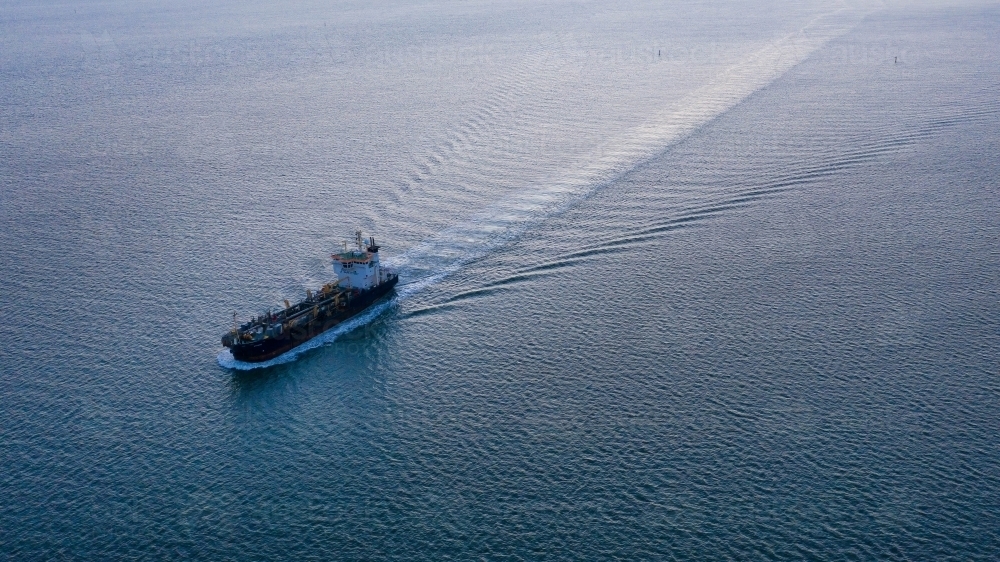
360, 281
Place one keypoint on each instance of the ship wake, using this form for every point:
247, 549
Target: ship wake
495, 227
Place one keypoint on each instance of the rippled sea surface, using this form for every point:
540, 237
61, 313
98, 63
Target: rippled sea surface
679, 281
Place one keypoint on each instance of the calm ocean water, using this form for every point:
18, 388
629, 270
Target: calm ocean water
692, 281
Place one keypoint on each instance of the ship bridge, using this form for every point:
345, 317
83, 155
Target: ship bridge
359, 268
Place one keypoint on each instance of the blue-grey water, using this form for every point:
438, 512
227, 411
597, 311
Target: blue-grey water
680, 280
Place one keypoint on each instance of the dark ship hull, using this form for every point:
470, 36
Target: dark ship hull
311, 318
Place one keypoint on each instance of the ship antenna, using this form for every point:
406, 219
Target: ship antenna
357, 235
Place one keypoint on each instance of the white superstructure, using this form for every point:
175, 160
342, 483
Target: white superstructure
360, 268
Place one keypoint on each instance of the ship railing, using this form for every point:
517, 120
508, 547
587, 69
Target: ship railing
314, 303
295, 311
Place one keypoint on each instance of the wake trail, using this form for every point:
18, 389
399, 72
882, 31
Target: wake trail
448, 251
